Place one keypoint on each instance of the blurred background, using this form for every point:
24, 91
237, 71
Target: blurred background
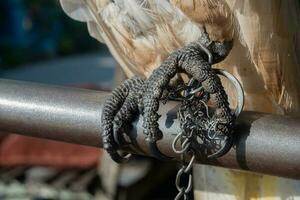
39, 32
40, 43
32, 30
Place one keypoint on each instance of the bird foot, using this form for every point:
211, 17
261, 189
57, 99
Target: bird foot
119, 109
142, 96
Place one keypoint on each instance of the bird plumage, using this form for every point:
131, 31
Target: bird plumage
145, 32
142, 33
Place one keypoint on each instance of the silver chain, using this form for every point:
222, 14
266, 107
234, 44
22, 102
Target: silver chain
186, 168
188, 132
197, 125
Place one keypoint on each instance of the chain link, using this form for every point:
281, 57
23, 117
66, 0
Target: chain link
192, 123
186, 168
188, 132
199, 128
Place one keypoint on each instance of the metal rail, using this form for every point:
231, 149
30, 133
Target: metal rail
265, 143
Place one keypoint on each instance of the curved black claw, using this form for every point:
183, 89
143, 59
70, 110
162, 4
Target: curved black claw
135, 94
195, 59
228, 142
119, 109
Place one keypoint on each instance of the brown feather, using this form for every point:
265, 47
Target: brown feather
264, 58
214, 15
265, 35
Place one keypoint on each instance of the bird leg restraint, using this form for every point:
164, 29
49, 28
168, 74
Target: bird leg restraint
205, 131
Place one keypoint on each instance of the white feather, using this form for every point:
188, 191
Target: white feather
76, 9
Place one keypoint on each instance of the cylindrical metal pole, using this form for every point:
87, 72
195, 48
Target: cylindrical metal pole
265, 143
59, 113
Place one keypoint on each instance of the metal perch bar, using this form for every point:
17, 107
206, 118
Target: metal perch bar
265, 143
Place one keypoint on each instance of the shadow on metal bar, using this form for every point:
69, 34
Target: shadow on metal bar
264, 143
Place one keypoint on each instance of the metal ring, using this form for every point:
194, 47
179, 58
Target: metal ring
208, 53
190, 184
237, 85
191, 134
240, 105
185, 144
180, 194
178, 178
196, 90
238, 89
189, 166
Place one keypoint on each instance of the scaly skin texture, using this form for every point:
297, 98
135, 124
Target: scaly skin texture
135, 94
119, 109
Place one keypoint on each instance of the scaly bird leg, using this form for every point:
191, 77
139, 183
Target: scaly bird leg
193, 60
136, 94
118, 109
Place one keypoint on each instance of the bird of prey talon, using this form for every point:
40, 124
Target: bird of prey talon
156, 39
119, 109
136, 94
157, 42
